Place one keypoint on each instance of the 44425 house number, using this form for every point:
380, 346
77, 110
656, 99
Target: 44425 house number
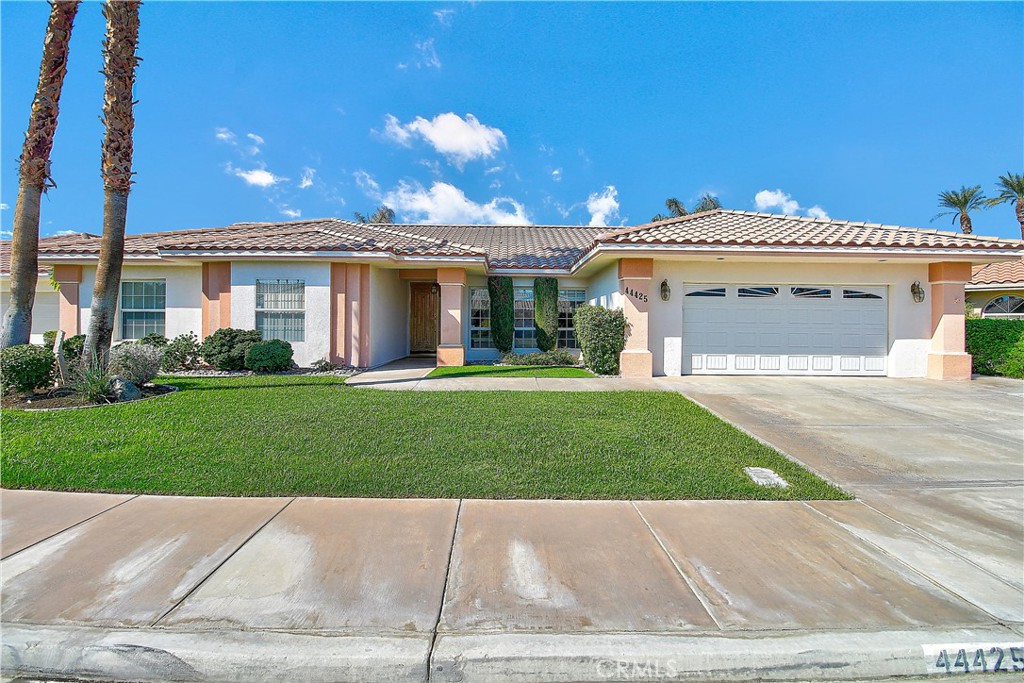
639, 296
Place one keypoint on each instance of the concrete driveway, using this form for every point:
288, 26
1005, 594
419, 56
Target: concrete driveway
937, 467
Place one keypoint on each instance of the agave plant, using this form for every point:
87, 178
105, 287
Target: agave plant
1011, 189
961, 202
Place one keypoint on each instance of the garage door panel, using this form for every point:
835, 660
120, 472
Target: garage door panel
842, 331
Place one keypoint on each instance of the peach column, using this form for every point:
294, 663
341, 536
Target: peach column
216, 296
948, 358
339, 336
634, 284
69, 278
452, 282
352, 319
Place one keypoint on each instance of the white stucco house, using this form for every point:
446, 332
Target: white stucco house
720, 292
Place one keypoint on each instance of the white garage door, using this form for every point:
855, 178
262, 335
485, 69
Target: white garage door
784, 330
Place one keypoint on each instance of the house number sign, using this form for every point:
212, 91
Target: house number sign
639, 296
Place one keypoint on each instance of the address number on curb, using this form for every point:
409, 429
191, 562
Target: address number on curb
975, 658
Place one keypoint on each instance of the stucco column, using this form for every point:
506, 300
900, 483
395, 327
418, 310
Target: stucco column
339, 338
357, 315
948, 358
69, 278
450, 351
634, 285
216, 296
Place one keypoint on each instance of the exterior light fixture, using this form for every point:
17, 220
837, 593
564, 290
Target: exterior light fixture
917, 291
666, 291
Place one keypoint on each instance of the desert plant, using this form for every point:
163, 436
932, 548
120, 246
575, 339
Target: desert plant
182, 353
154, 339
272, 355
26, 367
545, 312
91, 381
502, 312
225, 349
559, 357
137, 363
601, 334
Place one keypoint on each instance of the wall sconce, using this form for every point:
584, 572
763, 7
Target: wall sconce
666, 291
917, 291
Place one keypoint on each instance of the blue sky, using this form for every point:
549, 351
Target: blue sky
574, 113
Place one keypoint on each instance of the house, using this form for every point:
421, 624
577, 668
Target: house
996, 290
720, 292
45, 313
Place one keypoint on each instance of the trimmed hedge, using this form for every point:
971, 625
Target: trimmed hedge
26, 367
225, 349
601, 334
503, 319
996, 345
545, 312
272, 355
555, 357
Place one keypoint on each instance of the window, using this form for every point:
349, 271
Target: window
758, 292
480, 319
1008, 306
811, 292
568, 301
716, 291
142, 308
857, 294
281, 309
526, 332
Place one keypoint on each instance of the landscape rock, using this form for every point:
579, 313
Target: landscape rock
123, 390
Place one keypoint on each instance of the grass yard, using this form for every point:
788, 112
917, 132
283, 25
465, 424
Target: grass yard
314, 436
508, 371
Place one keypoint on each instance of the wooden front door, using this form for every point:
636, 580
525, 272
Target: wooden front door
424, 314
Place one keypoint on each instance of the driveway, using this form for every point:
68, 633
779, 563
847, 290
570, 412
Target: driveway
937, 467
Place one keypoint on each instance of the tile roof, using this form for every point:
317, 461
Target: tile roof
5, 249
536, 246
723, 227
1001, 274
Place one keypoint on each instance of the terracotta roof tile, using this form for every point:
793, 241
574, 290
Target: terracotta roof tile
1002, 273
5, 249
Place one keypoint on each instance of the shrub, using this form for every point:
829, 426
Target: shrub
137, 363
553, 357
225, 349
601, 334
72, 349
502, 313
182, 353
997, 346
324, 365
26, 367
273, 355
545, 312
49, 338
153, 339
91, 382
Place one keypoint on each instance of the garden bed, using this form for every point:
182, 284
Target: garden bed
62, 398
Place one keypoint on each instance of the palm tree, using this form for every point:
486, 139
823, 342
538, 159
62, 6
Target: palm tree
676, 209
34, 173
707, 202
1011, 189
382, 214
119, 63
962, 202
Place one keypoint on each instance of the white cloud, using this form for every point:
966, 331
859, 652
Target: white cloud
6, 234
445, 203
603, 206
4, 206
223, 134
290, 213
428, 55
782, 202
368, 185
255, 138
258, 177
444, 16
556, 175
495, 169
66, 233
307, 177
459, 140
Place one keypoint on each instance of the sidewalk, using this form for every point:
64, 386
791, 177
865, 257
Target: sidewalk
150, 588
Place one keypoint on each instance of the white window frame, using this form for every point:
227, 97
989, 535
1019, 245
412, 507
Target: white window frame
481, 333
529, 331
569, 330
269, 311
985, 313
162, 311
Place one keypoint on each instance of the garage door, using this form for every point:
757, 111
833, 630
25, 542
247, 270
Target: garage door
784, 330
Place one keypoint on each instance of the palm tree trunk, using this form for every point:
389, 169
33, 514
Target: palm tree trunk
119, 66
34, 173
965, 223
1019, 206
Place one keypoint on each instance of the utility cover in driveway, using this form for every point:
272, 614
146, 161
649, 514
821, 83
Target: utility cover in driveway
778, 329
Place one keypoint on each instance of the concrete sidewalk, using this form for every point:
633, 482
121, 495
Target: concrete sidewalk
148, 588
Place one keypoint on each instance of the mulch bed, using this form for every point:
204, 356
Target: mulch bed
65, 398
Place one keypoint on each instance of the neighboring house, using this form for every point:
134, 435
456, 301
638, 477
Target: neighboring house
996, 290
721, 292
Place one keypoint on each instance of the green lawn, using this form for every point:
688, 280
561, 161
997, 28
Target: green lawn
300, 435
508, 371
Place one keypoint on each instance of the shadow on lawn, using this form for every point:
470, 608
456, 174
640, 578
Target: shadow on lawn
190, 385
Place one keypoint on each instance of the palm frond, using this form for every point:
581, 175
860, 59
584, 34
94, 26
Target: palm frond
675, 207
707, 202
1010, 187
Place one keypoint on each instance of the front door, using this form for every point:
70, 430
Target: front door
424, 312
